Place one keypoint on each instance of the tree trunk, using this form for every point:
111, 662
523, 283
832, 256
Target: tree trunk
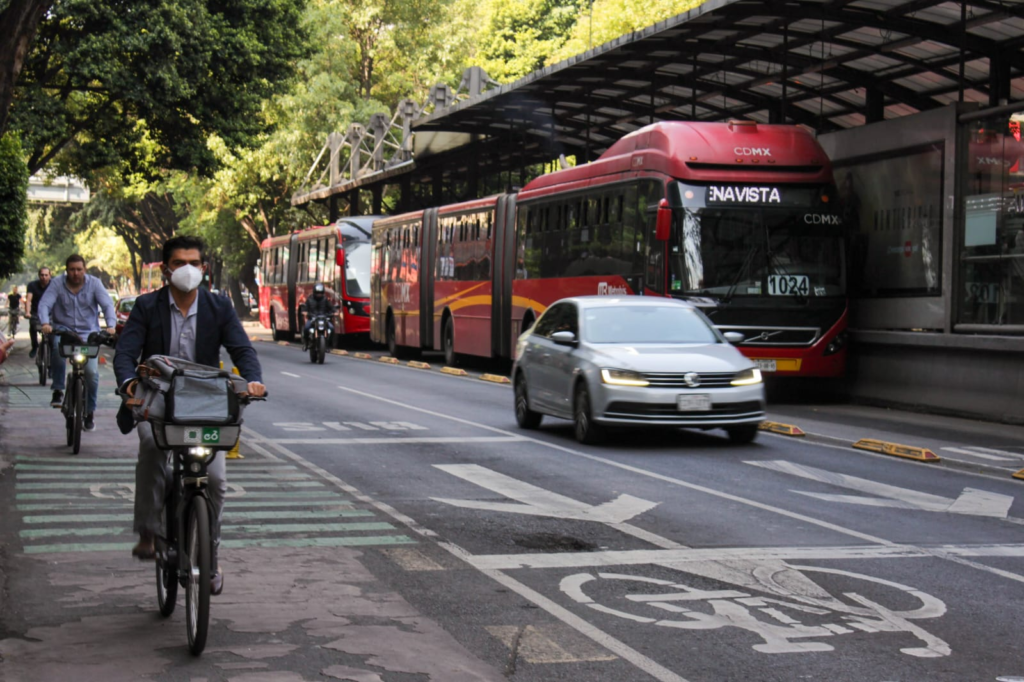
241, 305
247, 276
18, 24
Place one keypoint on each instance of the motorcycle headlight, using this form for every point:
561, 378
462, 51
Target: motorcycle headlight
623, 377
747, 377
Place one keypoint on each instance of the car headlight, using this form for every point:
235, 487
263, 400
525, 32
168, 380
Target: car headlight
623, 377
747, 377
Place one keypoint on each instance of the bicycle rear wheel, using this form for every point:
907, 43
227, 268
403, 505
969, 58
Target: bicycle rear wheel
78, 386
197, 589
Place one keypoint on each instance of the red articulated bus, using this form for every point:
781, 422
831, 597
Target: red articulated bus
337, 255
751, 233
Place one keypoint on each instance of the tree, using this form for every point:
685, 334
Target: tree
521, 35
18, 22
187, 68
13, 205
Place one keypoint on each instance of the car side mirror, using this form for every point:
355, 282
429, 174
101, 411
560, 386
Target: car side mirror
734, 337
564, 339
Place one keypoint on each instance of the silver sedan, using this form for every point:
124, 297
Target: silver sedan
604, 361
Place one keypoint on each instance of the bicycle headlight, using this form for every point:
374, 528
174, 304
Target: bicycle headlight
623, 377
201, 453
79, 358
747, 377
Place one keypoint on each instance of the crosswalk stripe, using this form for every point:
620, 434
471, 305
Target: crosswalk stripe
130, 466
252, 484
98, 504
261, 528
355, 541
129, 476
90, 518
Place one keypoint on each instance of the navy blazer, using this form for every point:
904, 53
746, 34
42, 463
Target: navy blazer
148, 332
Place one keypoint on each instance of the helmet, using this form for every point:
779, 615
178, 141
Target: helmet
318, 291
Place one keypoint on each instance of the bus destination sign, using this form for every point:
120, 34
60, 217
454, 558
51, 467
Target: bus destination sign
728, 194
769, 196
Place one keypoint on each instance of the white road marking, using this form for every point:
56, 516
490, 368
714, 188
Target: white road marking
972, 453
971, 502
617, 647
364, 427
679, 557
298, 426
535, 501
991, 451
397, 439
289, 374
1009, 575
336, 426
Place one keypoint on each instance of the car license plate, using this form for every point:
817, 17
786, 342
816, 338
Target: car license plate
693, 402
765, 365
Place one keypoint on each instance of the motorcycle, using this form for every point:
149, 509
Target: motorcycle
320, 336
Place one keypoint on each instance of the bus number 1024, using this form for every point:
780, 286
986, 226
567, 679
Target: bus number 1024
788, 285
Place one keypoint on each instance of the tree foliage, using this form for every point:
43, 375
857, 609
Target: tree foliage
521, 35
13, 205
188, 68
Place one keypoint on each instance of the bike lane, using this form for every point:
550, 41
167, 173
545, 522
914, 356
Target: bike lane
298, 603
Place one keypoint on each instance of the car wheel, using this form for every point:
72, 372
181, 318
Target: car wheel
525, 417
742, 434
587, 432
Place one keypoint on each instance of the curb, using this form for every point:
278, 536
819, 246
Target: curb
454, 371
388, 359
495, 378
417, 364
896, 450
781, 429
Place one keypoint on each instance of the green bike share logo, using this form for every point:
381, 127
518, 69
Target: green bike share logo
202, 435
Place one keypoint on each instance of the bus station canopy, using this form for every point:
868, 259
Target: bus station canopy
828, 64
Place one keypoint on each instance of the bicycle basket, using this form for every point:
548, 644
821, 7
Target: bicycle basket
201, 398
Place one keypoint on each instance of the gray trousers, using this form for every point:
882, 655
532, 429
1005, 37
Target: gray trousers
154, 474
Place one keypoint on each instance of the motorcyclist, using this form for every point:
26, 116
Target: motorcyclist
317, 304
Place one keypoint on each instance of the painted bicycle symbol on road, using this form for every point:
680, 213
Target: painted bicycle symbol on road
776, 601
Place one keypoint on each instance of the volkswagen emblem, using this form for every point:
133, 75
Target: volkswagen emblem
692, 379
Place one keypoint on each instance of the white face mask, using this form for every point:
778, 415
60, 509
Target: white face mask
187, 278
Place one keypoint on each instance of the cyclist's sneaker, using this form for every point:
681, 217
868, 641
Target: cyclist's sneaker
90, 425
58, 399
32, 354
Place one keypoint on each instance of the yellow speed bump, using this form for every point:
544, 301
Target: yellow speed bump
417, 364
495, 378
283, 343
455, 371
335, 351
388, 359
255, 338
363, 356
1019, 474
896, 450
781, 429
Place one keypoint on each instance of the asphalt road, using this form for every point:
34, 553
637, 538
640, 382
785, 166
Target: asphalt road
425, 537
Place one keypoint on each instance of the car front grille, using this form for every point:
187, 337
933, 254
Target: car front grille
663, 412
678, 379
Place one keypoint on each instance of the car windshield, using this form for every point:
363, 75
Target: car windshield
646, 324
126, 306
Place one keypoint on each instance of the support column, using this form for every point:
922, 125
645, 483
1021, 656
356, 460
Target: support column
404, 194
874, 105
999, 81
437, 187
353, 203
378, 199
332, 208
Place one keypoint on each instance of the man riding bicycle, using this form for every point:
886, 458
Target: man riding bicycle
187, 322
71, 303
13, 308
35, 291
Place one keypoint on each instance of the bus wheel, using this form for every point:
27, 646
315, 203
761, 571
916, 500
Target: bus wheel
276, 335
389, 337
450, 357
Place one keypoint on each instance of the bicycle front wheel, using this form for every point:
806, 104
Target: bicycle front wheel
166, 572
197, 589
42, 363
78, 386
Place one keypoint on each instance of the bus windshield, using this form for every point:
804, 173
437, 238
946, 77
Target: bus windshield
357, 268
785, 253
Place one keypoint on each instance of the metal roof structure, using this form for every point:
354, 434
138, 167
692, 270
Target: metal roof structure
829, 64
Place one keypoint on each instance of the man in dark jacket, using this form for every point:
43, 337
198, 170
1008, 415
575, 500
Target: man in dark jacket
317, 304
187, 322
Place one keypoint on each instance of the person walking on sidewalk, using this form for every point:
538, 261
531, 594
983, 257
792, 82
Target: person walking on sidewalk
183, 321
72, 302
35, 291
